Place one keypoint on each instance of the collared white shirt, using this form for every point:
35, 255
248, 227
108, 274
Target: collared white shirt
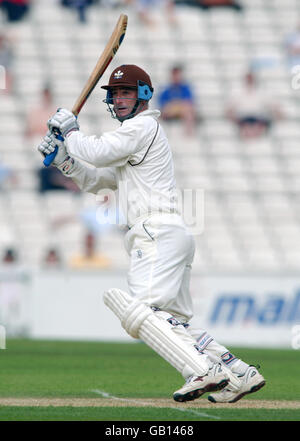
134, 159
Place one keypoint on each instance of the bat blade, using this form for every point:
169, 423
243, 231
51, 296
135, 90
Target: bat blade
106, 57
103, 62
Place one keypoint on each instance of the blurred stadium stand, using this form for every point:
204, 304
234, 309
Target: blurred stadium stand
252, 197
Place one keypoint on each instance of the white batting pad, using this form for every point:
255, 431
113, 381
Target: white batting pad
140, 321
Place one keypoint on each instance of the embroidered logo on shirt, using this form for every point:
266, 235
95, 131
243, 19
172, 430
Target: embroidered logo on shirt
118, 74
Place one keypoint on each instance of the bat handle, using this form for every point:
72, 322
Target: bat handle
50, 158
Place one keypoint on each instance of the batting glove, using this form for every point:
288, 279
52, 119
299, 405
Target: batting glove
62, 159
64, 121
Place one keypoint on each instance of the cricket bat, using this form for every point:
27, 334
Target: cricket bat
103, 62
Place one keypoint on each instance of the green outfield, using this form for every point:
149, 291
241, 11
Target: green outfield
57, 380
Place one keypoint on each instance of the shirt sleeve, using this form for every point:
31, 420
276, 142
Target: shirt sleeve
112, 148
93, 179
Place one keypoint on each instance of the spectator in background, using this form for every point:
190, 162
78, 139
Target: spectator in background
97, 220
6, 60
52, 259
292, 47
39, 113
252, 109
208, 4
90, 258
176, 101
144, 9
80, 6
52, 179
5, 173
15, 10
9, 256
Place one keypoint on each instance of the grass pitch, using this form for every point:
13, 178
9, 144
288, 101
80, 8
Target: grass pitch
129, 382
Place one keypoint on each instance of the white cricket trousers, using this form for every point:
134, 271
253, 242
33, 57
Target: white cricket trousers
161, 252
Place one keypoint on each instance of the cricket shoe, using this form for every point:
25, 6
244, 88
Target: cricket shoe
215, 379
239, 386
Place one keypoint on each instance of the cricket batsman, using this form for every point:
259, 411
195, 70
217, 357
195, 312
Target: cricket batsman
158, 306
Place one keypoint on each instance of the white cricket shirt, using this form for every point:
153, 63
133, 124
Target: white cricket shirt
136, 159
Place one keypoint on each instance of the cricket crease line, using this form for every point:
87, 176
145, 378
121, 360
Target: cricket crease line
133, 401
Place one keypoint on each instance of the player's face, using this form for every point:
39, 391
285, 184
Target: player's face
124, 100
